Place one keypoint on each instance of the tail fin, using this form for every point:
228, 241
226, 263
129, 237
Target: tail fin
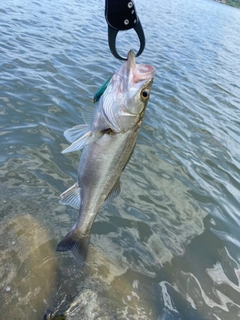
78, 245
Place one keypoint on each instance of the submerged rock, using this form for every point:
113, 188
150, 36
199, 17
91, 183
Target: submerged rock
27, 264
105, 292
88, 305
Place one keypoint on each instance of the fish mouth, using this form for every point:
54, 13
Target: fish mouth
131, 61
134, 73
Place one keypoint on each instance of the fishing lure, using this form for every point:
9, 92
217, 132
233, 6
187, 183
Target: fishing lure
101, 90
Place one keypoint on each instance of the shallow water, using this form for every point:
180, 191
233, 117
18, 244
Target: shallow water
168, 247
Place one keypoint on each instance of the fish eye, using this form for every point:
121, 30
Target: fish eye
145, 94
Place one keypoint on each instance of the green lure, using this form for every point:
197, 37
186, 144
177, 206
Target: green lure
101, 90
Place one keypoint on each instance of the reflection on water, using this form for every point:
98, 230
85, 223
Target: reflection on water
168, 247
202, 288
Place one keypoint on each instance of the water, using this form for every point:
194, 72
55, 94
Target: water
168, 247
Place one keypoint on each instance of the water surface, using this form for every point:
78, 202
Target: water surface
168, 247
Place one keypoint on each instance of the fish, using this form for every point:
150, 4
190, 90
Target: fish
107, 144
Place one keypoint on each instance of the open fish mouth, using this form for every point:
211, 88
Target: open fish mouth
139, 72
131, 74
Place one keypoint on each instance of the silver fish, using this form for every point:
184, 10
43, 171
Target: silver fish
107, 143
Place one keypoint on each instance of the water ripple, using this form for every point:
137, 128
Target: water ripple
169, 245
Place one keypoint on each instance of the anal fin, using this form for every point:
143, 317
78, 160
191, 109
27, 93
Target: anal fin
71, 197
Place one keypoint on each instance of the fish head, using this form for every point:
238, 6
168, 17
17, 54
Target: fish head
127, 94
136, 84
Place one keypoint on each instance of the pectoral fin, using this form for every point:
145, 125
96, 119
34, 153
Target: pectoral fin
86, 139
87, 114
76, 132
71, 197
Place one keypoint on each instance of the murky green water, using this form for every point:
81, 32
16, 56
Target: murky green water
168, 247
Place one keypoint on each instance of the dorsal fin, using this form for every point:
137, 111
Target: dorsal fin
114, 192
